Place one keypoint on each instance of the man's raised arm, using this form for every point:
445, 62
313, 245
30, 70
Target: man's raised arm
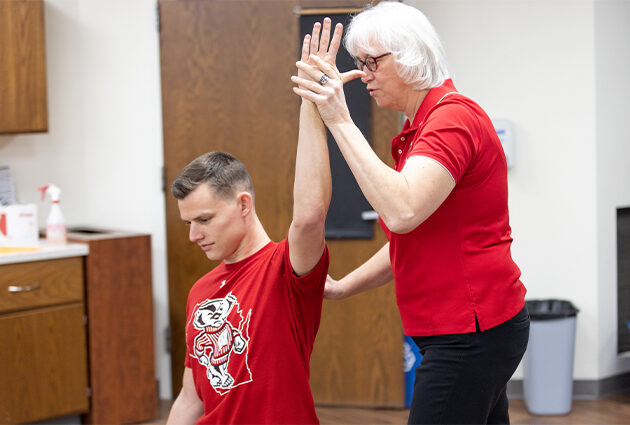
313, 183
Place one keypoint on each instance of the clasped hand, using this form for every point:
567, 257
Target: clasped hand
319, 58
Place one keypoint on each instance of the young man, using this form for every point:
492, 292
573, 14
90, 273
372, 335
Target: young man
251, 321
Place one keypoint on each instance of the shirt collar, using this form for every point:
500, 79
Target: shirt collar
432, 98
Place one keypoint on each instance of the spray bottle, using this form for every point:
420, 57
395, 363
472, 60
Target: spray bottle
55, 224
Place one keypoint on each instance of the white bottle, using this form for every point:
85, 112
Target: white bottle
55, 224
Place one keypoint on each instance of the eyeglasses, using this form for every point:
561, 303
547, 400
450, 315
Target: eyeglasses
370, 62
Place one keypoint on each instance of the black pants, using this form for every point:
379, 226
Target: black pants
462, 377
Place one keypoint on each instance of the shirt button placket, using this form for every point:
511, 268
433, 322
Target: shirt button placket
402, 139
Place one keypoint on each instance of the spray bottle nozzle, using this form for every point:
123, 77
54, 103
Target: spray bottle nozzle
53, 191
43, 189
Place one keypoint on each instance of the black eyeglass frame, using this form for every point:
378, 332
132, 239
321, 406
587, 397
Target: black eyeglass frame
368, 61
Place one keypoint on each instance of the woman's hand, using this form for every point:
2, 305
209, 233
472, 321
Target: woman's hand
333, 290
319, 58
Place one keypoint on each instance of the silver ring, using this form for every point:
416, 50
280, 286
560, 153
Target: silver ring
324, 79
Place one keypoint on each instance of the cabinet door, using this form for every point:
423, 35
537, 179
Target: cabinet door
22, 67
43, 360
120, 330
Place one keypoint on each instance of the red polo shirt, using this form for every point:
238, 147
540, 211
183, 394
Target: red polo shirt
457, 264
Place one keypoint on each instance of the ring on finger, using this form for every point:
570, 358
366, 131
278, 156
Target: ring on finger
324, 79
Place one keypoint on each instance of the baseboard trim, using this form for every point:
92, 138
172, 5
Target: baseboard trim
583, 389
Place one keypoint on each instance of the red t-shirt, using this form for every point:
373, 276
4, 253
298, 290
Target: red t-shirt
249, 334
457, 264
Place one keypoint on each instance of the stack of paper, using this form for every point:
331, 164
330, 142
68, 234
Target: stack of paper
7, 191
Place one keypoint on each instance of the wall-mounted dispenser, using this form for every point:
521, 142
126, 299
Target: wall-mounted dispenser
504, 131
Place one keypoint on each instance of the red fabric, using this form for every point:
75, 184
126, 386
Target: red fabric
457, 264
249, 333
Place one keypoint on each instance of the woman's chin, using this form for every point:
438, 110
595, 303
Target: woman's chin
382, 103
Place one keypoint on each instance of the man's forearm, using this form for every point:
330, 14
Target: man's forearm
313, 182
311, 192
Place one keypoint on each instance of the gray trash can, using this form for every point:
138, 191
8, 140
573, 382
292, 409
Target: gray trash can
548, 361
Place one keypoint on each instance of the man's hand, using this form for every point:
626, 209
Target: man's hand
325, 49
319, 81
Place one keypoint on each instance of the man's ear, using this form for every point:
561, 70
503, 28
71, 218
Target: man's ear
245, 203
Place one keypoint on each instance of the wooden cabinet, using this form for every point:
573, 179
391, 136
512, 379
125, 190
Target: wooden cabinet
43, 359
23, 104
119, 297
48, 366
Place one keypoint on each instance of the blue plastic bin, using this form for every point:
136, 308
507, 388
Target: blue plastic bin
411, 360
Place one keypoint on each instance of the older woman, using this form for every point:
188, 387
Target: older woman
443, 208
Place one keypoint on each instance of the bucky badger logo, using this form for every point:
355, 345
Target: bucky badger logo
218, 339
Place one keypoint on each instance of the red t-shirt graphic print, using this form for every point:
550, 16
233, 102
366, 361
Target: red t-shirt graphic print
250, 332
222, 336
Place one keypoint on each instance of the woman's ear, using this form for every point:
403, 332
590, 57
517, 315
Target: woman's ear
245, 203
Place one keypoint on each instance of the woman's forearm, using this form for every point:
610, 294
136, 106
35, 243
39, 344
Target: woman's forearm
403, 200
373, 273
384, 188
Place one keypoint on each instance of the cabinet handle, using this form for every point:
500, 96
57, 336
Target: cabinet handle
23, 288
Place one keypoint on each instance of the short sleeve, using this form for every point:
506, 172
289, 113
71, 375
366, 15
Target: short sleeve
187, 359
313, 282
447, 137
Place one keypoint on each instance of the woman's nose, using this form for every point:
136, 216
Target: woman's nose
369, 75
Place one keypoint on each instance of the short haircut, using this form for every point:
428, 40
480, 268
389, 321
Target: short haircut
405, 32
221, 171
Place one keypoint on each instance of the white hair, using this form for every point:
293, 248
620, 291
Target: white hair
405, 32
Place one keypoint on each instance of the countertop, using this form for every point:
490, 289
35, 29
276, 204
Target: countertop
43, 251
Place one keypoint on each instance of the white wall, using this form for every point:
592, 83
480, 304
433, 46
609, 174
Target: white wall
612, 53
104, 144
533, 62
